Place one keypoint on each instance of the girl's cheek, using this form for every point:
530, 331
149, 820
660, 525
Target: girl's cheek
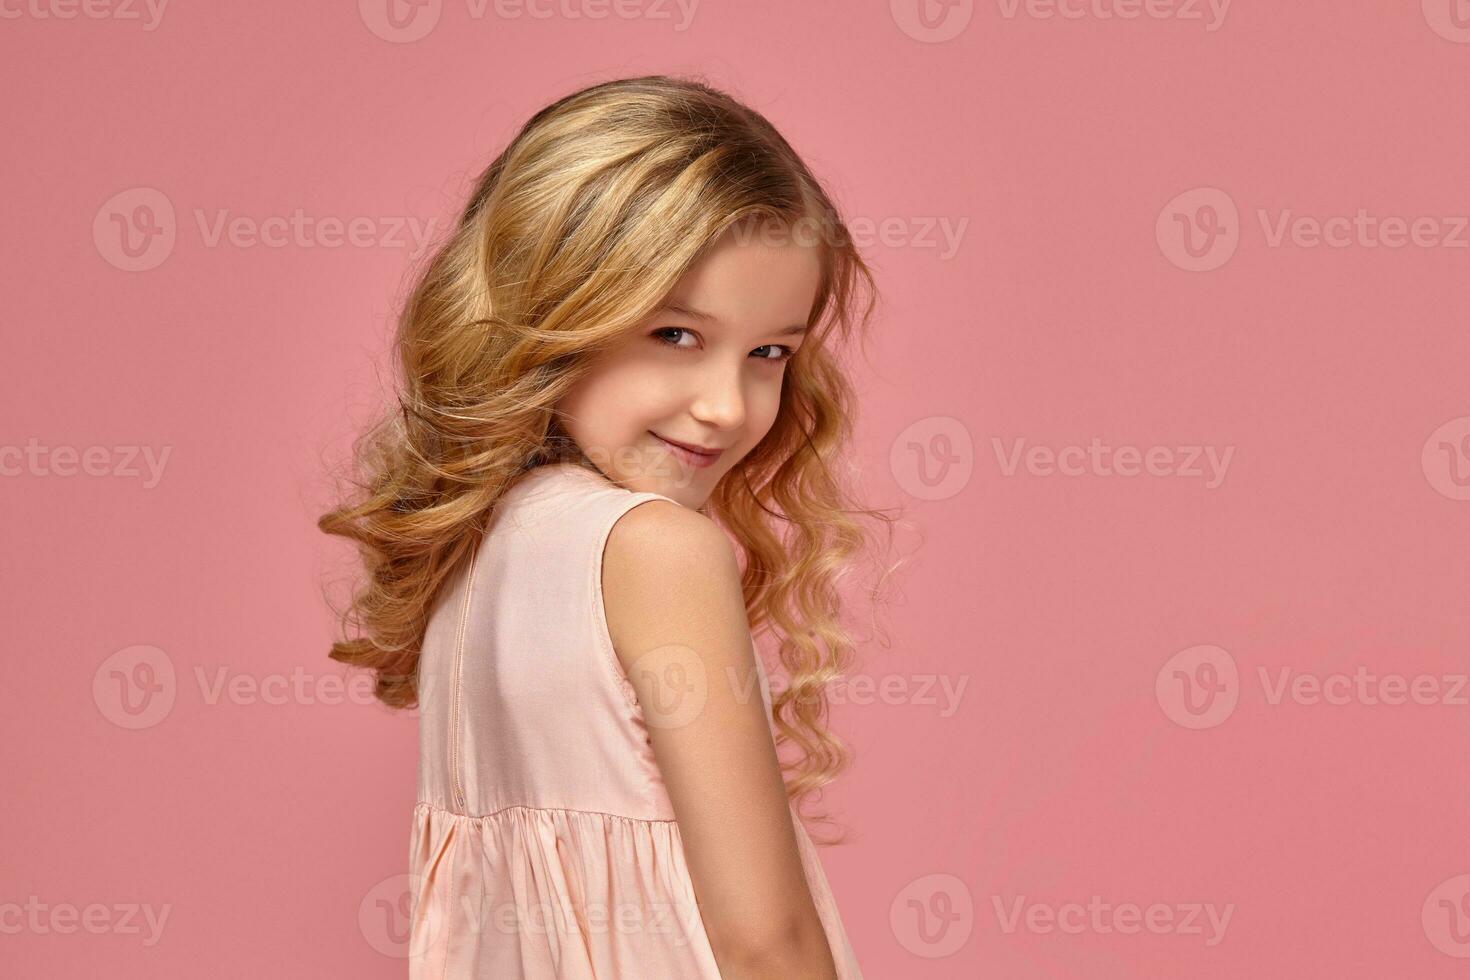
769, 404
651, 383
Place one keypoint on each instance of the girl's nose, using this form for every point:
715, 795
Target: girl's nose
720, 400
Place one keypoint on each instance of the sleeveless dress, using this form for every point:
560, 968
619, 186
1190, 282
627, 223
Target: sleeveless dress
544, 845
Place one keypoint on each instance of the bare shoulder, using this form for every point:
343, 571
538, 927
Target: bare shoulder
672, 593
669, 575
662, 525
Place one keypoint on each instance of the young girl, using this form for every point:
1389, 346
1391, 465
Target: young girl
624, 356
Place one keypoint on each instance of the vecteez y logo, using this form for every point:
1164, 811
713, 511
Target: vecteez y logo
1450, 19
400, 21
1199, 229
135, 687
932, 21
1446, 459
1446, 917
1198, 687
135, 230
934, 458
933, 916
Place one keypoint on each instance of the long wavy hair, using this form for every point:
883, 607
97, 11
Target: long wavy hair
572, 237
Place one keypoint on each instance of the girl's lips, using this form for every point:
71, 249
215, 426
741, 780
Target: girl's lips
688, 455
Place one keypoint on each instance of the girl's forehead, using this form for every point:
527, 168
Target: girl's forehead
752, 286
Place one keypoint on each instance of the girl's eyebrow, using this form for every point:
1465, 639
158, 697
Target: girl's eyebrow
711, 318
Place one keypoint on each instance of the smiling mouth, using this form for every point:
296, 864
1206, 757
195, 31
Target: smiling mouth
692, 454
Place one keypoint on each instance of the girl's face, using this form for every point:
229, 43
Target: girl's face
704, 371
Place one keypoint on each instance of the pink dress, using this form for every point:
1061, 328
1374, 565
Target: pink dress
544, 845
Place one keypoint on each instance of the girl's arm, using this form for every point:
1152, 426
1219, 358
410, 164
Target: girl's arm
672, 597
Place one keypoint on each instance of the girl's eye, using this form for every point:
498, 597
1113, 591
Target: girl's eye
785, 353
660, 332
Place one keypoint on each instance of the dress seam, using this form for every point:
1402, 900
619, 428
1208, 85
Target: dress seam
456, 705
426, 805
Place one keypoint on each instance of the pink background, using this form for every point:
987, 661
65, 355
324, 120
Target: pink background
1081, 612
